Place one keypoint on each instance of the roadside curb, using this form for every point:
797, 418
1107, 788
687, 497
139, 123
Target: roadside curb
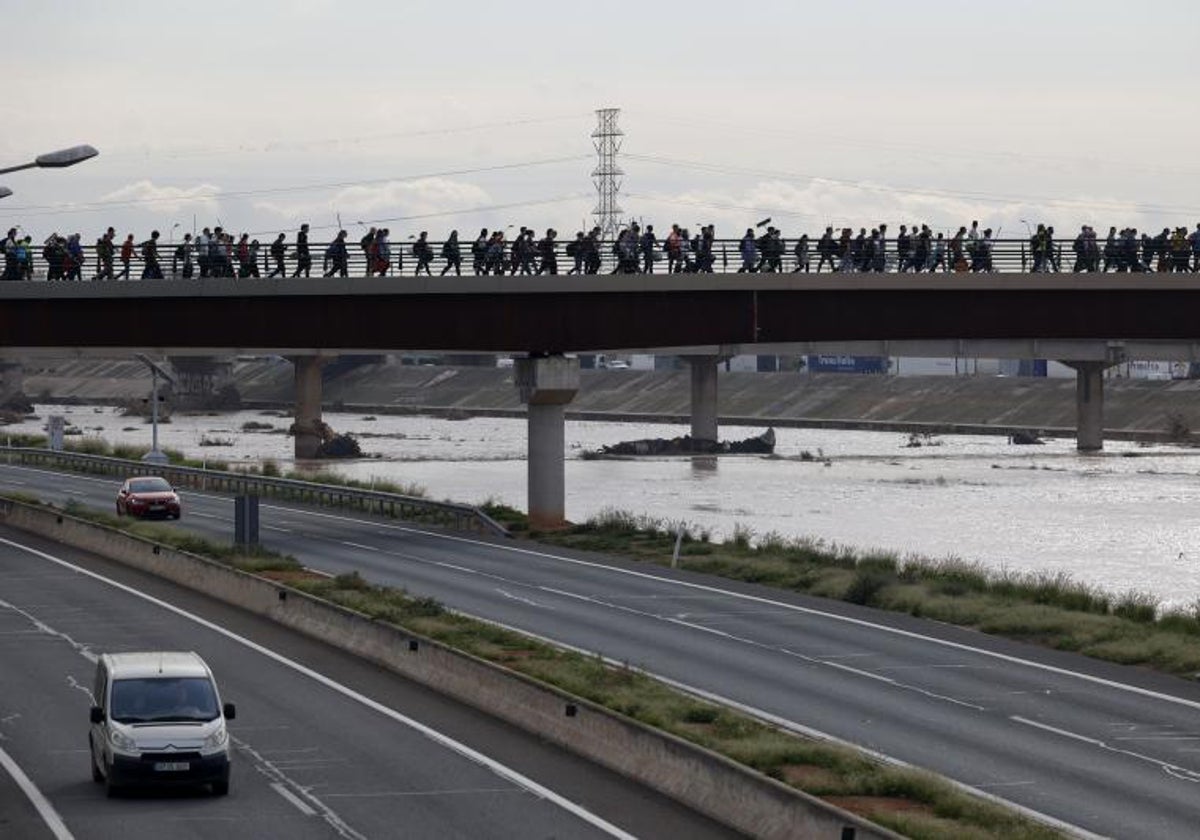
699, 778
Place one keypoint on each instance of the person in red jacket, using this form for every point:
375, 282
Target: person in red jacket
126, 257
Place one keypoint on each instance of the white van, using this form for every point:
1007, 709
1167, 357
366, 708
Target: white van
158, 720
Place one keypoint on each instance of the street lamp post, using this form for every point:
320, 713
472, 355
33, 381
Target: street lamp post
56, 160
154, 456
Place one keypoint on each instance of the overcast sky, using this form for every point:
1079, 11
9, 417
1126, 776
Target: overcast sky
438, 115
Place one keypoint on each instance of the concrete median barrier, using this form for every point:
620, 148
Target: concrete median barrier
700, 779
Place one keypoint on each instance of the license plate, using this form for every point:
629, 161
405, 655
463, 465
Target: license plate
158, 507
171, 766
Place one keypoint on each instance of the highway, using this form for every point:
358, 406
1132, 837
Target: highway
1105, 749
325, 745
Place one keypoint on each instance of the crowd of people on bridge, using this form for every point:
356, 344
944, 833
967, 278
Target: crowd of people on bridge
217, 253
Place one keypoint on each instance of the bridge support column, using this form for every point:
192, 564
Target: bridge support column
12, 388
307, 423
547, 384
1089, 405
704, 396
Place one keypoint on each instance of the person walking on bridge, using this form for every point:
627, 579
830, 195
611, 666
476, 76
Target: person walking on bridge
802, 259
278, 251
548, 251
104, 255
126, 257
479, 252
827, 250
647, 245
452, 253
748, 250
423, 253
303, 257
182, 258
367, 244
336, 257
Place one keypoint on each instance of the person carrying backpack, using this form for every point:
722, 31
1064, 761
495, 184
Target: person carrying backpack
182, 259
149, 248
452, 253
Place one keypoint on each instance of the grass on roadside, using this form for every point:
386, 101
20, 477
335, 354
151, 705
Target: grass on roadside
1051, 609
911, 802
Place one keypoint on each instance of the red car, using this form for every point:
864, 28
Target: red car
148, 496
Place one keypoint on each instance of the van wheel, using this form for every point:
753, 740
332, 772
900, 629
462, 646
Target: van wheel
110, 789
221, 788
97, 776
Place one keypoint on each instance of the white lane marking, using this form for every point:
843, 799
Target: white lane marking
41, 627
203, 515
678, 620
280, 530
702, 587
45, 810
528, 601
1173, 770
501, 770
893, 682
299, 803
388, 794
359, 545
800, 729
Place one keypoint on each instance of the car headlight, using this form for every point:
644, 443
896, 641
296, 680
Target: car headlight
217, 740
122, 741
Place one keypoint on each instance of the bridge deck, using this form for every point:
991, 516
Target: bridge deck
570, 314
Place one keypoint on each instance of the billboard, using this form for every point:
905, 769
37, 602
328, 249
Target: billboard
848, 364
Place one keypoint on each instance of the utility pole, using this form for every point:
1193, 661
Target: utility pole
607, 175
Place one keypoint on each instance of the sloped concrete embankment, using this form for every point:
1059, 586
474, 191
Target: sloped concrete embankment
702, 780
985, 404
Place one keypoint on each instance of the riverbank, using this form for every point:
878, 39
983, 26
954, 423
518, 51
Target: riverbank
1133, 410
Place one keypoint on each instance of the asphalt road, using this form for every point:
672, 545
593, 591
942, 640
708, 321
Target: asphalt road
325, 745
1106, 749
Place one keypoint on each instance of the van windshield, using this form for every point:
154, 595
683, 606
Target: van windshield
163, 699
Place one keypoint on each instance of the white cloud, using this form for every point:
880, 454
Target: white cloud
808, 207
388, 200
167, 200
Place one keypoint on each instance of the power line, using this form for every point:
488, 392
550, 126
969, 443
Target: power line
914, 149
274, 146
992, 198
444, 213
59, 209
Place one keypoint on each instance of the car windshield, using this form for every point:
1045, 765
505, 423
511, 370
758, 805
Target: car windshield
149, 485
162, 699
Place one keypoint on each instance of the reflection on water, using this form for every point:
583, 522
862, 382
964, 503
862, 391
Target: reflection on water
1125, 519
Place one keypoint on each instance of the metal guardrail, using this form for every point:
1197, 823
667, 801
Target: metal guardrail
1006, 255
409, 508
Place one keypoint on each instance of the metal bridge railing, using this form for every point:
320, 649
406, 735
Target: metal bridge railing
1007, 255
394, 505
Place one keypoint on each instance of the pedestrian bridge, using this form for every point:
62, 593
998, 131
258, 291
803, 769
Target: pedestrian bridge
1089, 321
554, 315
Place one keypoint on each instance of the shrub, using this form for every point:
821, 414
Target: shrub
865, 586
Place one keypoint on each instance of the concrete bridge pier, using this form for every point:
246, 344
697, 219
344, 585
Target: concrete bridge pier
307, 423
1089, 405
704, 396
12, 387
547, 384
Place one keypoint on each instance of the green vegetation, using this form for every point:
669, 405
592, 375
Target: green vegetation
914, 803
1050, 609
